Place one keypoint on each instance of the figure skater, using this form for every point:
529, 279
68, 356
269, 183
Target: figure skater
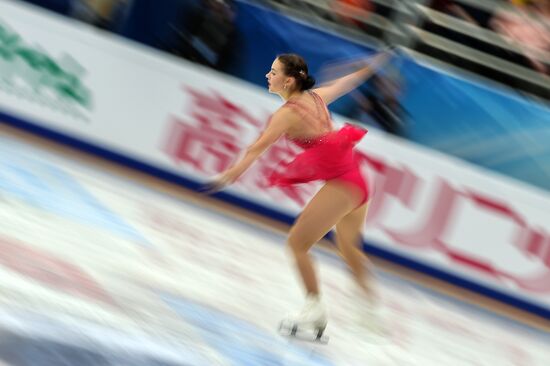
327, 156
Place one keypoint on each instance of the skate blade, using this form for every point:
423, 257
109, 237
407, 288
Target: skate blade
372, 332
308, 335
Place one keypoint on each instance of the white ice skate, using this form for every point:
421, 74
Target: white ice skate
309, 324
368, 318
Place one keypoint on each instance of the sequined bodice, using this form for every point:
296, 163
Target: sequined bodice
310, 142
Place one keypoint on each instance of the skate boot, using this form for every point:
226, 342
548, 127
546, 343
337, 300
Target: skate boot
309, 324
368, 309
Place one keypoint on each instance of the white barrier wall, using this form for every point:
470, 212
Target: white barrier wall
188, 120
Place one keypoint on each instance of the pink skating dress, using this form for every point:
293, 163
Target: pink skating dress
325, 157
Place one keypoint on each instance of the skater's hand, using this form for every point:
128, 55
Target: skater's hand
219, 182
382, 58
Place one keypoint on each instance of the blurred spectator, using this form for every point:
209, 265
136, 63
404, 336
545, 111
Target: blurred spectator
470, 14
378, 104
208, 33
447, 7
153, 22
527, 27
97, 12
451, 8
351, 11
101, 13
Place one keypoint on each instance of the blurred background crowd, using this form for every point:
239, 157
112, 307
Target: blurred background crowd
514, 31
503, 44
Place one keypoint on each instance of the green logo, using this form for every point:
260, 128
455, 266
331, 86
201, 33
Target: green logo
30, 73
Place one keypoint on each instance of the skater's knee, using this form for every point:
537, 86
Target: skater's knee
349, 251
294, 247
297, 247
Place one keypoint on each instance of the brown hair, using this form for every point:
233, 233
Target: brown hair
295, 66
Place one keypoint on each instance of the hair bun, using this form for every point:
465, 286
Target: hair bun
308, 83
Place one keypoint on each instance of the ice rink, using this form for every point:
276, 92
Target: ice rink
98, 269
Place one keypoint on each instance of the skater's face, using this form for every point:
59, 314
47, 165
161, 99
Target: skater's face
277, 80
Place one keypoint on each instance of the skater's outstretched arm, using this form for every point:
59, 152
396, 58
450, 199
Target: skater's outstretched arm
362, 70
278, 125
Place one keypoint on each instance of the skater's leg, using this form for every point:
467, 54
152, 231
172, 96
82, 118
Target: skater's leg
348, 239
333, 202
326, 208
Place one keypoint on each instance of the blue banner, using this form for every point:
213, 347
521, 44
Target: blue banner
488, 126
